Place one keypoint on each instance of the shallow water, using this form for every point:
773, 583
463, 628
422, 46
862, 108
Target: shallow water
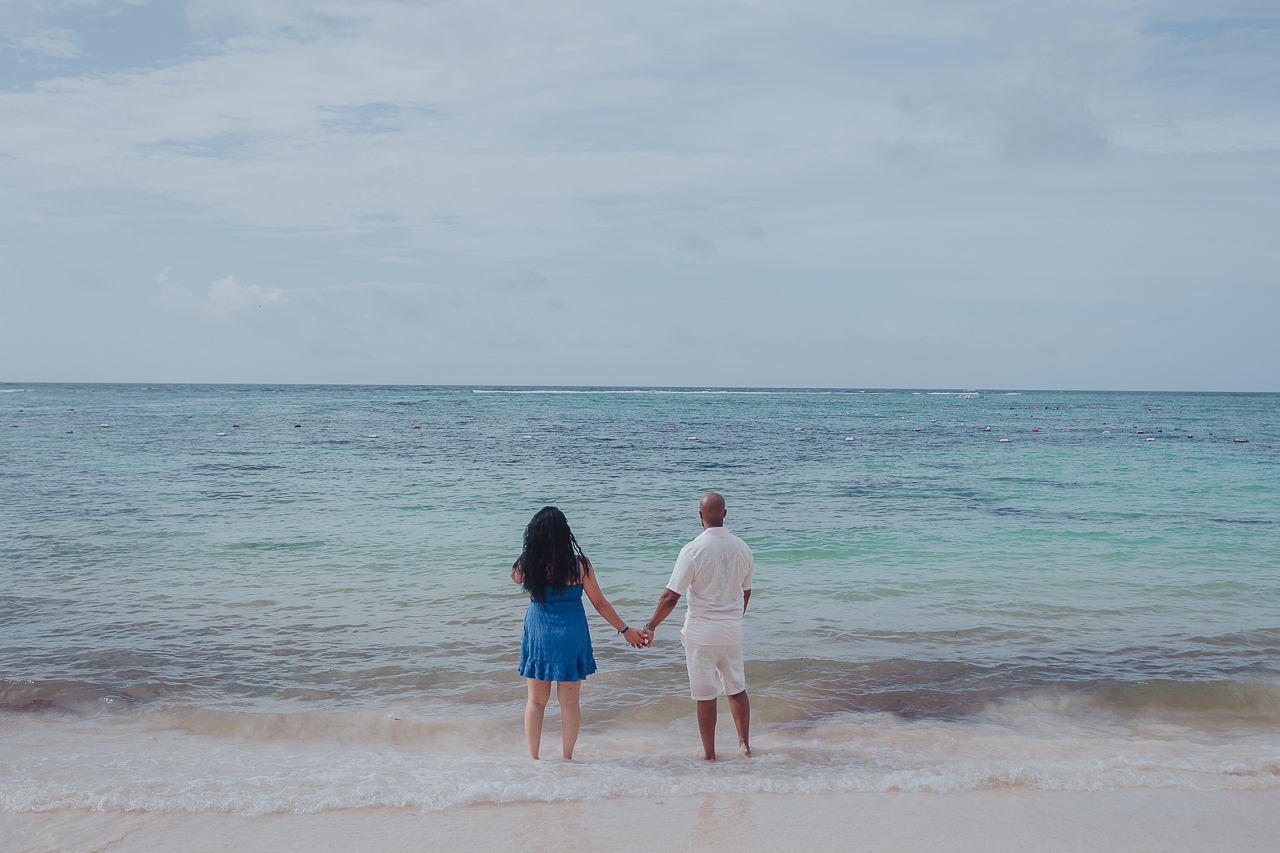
313, 609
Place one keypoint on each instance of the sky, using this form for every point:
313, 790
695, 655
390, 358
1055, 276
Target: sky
893, 194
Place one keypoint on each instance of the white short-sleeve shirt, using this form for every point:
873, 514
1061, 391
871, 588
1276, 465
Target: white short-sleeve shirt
715, 569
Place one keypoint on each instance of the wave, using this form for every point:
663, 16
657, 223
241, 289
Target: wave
185, 757
257, 764
646, 391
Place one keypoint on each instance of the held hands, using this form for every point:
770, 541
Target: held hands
637, 638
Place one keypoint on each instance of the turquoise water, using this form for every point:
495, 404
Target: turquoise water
276, 575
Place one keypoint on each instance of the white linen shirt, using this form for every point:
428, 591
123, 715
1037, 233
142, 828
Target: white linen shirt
715, 569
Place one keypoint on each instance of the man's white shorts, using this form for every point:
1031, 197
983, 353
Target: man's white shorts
714, 668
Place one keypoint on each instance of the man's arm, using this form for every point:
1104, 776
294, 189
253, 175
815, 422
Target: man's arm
746, 597
666, 603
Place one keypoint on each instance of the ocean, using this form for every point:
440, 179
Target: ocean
262, 599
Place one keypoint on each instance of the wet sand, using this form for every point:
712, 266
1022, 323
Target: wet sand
991, 821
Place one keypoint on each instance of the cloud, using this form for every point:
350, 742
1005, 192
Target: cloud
1048, 130
892, 153
698, 246
227, 297
48, 42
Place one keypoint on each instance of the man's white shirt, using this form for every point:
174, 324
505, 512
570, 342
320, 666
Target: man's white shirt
715, 569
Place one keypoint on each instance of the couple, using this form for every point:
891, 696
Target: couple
715, 569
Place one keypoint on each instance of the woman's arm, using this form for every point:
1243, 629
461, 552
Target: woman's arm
592, 588
517, 574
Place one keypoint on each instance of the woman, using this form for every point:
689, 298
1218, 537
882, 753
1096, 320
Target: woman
556, 645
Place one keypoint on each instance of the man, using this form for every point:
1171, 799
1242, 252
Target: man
716, 569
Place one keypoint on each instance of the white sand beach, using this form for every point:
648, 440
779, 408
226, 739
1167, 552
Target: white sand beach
990, 821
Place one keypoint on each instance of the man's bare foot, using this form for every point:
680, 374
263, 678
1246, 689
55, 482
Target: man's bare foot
746, 749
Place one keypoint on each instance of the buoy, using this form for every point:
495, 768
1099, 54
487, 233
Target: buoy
988, 429
187, 415
417, 427
222, 433
850, 439
104, 426
1066, 430
1191, 436
917, 429
670, 428
295, 426
328, 426
1035, 430
692, 438
373, 436
799, 429
1150, 439
541, 427
1139, 432
1004, 441
235, 426
13, 425
71, 432
1240, 440
1105, 431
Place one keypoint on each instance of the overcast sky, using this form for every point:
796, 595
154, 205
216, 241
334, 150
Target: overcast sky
975, 194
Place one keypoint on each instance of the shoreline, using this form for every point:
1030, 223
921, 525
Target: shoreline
987, 821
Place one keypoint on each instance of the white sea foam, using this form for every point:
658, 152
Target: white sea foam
263, 763
642, 391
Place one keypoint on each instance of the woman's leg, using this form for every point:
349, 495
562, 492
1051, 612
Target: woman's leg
539, 695
570, 714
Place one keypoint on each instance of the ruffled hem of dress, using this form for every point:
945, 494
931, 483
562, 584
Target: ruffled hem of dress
554, 671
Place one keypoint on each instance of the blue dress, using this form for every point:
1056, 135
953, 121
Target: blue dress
556, 645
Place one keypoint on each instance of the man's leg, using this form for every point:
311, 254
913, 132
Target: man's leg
740, 707
707, 727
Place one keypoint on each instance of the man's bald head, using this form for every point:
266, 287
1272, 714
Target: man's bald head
711, 509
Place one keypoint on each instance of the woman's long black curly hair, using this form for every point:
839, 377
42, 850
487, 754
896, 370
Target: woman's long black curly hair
551, 554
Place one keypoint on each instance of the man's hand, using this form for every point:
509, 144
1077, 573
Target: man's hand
637, 638
647, 637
